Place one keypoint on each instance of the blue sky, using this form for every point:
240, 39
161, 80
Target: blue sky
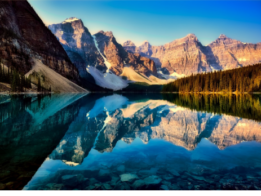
159, 22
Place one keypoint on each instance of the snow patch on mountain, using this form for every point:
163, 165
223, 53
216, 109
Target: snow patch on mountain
70, 20
108, 64
108, 80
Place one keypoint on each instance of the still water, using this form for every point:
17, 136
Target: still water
130, 142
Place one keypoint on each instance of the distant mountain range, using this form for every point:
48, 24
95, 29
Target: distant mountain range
187, 55
79, 60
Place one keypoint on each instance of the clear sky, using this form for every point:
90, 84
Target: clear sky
159, 22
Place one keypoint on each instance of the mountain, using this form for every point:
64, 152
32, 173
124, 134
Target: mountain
187, 55
25, 40
100, 57
78, 44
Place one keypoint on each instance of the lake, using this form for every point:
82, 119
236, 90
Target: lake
130, 142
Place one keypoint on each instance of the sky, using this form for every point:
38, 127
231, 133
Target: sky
159, 22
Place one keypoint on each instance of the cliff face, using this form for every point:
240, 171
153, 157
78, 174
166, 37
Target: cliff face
78, 44
187, 55
101, 50
229, 53
118, 57
24, 36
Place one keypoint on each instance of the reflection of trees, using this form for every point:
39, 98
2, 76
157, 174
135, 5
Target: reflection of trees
245, 106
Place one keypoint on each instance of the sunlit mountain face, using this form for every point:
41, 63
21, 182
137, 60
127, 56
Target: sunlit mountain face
130, 142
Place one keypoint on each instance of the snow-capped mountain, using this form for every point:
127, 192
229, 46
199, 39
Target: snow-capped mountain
101, 56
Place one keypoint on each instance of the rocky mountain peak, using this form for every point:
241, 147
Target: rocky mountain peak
145, 43
128, 43
222, 36
191, 37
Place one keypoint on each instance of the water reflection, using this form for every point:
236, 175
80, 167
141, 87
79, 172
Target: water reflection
128, 142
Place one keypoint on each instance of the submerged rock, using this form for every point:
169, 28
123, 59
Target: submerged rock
173, 172
128, 177
121, 168
72, 180
53, 186
122, 186
114, 180
164, 187
138, 185
104, 175
152, 180
106, 186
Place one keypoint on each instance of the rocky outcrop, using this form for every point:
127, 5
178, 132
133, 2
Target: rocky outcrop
24, 36
187, 55
78, 44
101, 50
118, 57
227, 53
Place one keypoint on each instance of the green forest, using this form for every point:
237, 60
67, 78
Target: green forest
240, 80
18, 82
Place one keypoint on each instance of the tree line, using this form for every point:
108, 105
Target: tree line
240, 80
18, 82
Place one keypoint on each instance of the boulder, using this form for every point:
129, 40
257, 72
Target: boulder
121, 169
128, 177
122, 186
173, 172
152, 180
106, 187
164, 187
72, 180
104, 175
138, 185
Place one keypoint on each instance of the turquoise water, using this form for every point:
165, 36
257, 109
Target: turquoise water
124, 142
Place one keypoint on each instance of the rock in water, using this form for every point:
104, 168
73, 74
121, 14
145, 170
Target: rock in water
173, 172
164, 187
121, 168
106, 186
128, 177
152, 180
72, 180
138, 185
104, 175
122, 186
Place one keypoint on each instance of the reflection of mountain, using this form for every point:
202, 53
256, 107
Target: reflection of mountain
28, 137
115, 118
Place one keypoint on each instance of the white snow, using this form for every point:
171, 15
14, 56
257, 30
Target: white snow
108, 80
70, 20
108, 65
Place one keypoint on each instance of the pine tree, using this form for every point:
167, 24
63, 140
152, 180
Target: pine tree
39, 85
